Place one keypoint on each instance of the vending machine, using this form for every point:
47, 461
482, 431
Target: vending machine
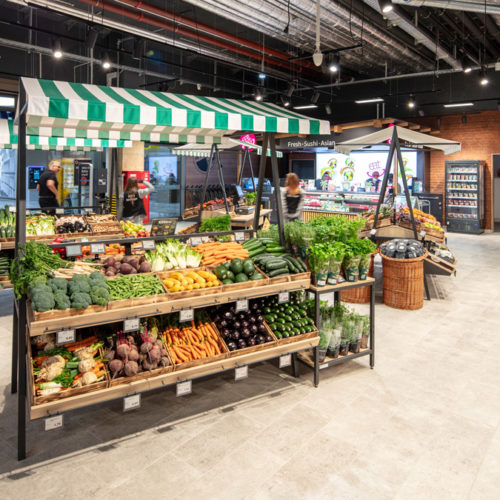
140, 175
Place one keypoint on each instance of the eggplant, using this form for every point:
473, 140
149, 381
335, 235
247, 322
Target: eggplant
269, 338
232, 309
245, 333
261, 328
241, 316
259, 319
235, 335
232, 346
241, 344
251, 320
236, 325
251, 342
226, 333
254, 329
228, 315
260, 339
245, 324
223, 323
258, 311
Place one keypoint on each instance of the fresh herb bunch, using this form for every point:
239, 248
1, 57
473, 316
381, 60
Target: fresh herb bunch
35, 261
214, 224
360, 247
271, 232
251, 198
320, 254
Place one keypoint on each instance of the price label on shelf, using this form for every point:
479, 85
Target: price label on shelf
59, 211
12, 208
52, 423
242, 305
323, 365
73, 250
285, 360
65, 336
28, 212
132, 402
283, 297
148, 245
186, 315
373, 232
241, 372
131, 325
184, 388
239, 236
194, 242
422, 234
97, 248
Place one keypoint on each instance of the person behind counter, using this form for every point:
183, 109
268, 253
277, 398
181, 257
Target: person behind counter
47, 188
292, 198
133, 204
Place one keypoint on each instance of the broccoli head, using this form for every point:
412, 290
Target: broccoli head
80, 300
96, 277
43, 301
62, 300
38, 280
40, 290
79, 283
58, 285
100, 295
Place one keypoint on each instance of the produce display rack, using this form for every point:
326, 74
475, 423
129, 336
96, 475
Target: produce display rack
312, 360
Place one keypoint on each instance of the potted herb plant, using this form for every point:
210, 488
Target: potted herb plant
357, 331
319, 259
324, 339
251, 198
366, 247
337, 251
351, 260
365, 332
347, 328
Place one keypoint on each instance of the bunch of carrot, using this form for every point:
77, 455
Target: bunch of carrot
188, 343
74, 346
215, 253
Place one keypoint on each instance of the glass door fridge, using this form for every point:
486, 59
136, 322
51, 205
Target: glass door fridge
464, 196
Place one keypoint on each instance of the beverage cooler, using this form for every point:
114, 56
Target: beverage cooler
141, 175
464, 196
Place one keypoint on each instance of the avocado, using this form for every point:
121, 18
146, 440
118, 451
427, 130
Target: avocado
248, 268
227, 281
241, 277
236, 266
257, 276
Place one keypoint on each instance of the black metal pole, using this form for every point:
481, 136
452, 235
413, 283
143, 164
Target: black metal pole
317, 299
20, 241
372, 325
221, 179
13, 383
277, 188
262, 168
205, 184
251, 169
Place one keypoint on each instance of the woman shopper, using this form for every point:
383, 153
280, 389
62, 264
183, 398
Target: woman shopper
292, 198
133, 204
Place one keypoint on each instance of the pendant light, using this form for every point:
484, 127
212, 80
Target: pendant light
318, 56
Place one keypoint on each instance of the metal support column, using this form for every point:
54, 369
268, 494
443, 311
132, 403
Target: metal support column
221, 178
205, 184
372, 325
277, 188
317, 300
262, 168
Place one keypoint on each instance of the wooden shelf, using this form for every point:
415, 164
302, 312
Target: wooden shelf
342, 286
308, 358
171, 304
120, 391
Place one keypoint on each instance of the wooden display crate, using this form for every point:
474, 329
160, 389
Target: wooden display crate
295, 338
65, 313
137, 301
289, 278
190, 293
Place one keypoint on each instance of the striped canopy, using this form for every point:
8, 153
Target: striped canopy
64, 109
228, 144
9, 140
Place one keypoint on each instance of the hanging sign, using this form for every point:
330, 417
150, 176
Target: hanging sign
311, 141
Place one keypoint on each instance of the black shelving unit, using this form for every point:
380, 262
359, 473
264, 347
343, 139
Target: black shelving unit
464, 196
369, 351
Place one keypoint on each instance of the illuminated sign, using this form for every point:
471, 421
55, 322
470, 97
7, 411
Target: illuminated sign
250, 138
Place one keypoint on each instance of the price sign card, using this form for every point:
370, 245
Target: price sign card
52, 423
12, 208
132, 402
194, 242
131, 325
241, 372
97, 248
59, 211
283, 297
73, 250
242, 305
184, 388
65, 336
186, 315
285, 360
239, 236
323, 365
148, 245
422, 234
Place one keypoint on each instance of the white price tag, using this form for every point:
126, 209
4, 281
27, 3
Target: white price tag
205, 239
73, 250
239, 236
131, 325
241, 305
12, 208
132, 402
323, 365
184, 388
241, 372
186, 315
422, 234
148, 245
373, 232
285, 360
59, 211
283, 297
195, 241
52, 423
65, 336
28, 212
97, 248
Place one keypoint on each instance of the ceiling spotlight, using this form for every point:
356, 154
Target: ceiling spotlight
385, 6
290, 89
106, 63
484, 80
328, 108
411, 103
262, 76
467, 68
315, 97
317, 57
333, 63
57, 49
258, 95
285, 101
91, 38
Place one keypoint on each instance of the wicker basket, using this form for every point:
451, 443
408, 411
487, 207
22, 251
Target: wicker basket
404, 282
360, 295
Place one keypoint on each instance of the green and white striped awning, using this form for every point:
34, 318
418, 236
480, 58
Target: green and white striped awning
228, 144
9, 140
95, 111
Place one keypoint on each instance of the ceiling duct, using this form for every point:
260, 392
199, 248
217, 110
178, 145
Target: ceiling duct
458, 5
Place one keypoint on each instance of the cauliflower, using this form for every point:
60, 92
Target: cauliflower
62, 300
80, 300
100, 295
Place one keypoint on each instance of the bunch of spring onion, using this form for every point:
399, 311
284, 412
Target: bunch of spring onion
173, 254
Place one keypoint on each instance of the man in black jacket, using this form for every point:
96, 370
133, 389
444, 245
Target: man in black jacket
47, 188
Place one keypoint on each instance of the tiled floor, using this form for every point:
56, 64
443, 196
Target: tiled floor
423, 424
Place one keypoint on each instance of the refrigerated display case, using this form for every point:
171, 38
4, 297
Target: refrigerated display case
464, 196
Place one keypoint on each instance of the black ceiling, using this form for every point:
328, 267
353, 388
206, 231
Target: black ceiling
220, 49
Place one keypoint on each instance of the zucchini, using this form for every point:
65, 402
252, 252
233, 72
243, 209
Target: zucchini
254, 252
251, 244
278, 272
270, 266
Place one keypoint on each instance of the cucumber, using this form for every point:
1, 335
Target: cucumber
277, 272
251, 243
275, 249
271, 266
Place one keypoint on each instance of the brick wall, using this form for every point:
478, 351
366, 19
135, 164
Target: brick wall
480, 138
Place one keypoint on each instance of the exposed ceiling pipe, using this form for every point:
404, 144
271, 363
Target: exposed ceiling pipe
64, 9
469, 24
453, 5
399, 19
